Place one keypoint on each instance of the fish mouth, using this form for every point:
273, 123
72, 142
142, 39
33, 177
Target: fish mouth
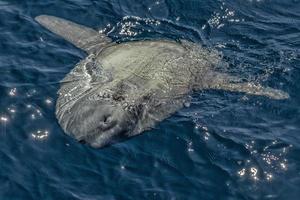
106, 135
98, 124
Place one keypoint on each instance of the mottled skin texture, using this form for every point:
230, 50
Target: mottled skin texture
121, 90
126, 88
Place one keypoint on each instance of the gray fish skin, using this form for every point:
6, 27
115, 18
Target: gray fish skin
121, 90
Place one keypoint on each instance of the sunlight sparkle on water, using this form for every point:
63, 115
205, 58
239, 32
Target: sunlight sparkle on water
242, 172
253, 173
283, 166
4, 119
11, 110
40, 135
48, 101
221, 18
206, 135
269, 177
13, 92
190, 147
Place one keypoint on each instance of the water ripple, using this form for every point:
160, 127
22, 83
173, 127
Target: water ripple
221, 146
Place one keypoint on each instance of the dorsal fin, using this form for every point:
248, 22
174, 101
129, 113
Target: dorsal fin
82, 37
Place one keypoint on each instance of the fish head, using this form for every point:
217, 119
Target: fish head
100, 122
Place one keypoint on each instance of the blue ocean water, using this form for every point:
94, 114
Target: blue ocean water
224, 146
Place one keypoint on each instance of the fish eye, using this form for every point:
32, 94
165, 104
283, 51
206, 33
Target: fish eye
118, 97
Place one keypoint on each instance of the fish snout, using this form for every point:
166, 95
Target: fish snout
101, 125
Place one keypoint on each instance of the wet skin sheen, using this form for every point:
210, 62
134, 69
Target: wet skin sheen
121, 90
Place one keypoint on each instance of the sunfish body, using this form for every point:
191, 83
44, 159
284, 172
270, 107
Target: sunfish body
121, 90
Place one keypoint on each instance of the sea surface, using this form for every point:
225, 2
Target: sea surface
225, 145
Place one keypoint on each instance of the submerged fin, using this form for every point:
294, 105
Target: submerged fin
255, 89
221, 81
82, 37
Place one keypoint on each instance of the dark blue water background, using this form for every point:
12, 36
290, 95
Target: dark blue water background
224, 146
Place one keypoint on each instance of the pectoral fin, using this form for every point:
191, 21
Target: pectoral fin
82, 37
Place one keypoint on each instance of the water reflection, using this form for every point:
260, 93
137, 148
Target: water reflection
12, 109
13, 92
130, 26
27, 111
269, 176
253, 173
220, 18
264, 161
4, 119
40, 134
48, 101
190, 146
242, 172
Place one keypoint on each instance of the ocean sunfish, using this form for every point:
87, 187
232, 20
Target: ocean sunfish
121, 90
